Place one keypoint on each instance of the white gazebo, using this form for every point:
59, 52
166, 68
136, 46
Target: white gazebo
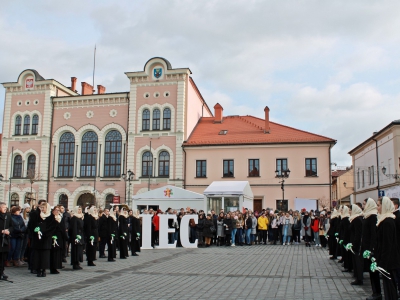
229, 195
168, 196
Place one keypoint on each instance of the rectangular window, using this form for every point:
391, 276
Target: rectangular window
363, 178
201, 168
228, 168
281, 165
369, 176
358, 179
254, 167
372, 175
311, 167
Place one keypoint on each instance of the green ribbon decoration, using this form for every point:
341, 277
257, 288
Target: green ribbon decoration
367, 254
37, 229
341, 242
78, 237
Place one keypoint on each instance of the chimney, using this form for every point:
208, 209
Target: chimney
101, 89
73, 83
266, 129
218, 113
87, 89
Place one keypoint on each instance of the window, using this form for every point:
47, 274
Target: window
18, 121
358, 179
163, 164
146, 120
228, 168
156, 119
363, 178
281, 165
17, 173
66, 155
147, 164
109, 200
167, 119
372, 175
35, 124
14, 199
254, 167
89, 154
112, 155
201, 168
30, 172
27, 124
311, 167
63, 200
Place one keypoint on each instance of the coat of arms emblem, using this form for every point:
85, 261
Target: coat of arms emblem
157, 72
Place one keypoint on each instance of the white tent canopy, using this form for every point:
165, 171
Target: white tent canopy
169, 196
239, 188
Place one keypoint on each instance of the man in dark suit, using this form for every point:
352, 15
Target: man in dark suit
103, 232
395, 202
6, 230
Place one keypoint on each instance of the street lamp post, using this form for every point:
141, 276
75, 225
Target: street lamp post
129, 178
282, 174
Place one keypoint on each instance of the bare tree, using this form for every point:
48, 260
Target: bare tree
324, 202
33, 176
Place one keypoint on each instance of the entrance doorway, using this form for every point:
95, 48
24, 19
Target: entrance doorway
257, 205
86, 200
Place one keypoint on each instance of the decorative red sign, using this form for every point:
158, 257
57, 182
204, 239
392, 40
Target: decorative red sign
116, 200
29, 83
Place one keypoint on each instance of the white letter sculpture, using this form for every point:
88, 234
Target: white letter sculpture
164, 230
184, 233
146, 231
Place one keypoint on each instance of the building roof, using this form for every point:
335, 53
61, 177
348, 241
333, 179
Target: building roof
338, 173
247, 130
393, 123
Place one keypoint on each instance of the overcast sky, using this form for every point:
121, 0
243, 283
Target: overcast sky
331, 68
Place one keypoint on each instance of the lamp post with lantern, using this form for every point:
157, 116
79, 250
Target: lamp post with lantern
128, 177
282, 174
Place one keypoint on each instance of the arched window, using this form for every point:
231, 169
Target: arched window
17, 171
89, 154
112, 154
30, 198
14, 199
167, 119
35, 124
147, 164
109, 200
18, 121
63, 200
146, 120
163, 164
30, 172
27, 124
156, 119
66, 155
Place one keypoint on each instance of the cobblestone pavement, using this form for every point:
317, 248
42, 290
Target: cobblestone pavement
248, 272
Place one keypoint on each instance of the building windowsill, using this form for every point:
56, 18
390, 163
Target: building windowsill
201, 177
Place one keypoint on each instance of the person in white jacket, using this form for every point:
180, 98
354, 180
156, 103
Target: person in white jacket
287, 223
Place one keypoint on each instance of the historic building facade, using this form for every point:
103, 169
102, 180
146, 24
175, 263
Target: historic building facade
75, 148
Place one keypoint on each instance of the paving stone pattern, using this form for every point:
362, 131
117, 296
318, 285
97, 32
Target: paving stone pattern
248, 272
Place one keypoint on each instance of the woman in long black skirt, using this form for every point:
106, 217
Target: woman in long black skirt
76, 237
44, 227
123, 231
112, 226
59, 238
135, 233
91, 235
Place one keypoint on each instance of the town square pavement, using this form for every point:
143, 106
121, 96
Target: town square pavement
248, 272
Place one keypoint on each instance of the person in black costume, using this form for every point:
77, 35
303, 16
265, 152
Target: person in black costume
112, 230
339, 248
123, 230
355, 239
387, 254
135, 233
76, 237
103, 232
344, 236
332, 242
33, 218
44, 227
228, 229
368, 243
6, 229
91, 235
59, 237
395, 202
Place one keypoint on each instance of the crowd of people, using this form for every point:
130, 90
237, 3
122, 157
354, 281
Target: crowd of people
364, 237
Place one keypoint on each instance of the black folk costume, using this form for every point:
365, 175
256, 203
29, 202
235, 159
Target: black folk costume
387, 255
135, 233
103, 234
344, 239
368, 243
5, 224
112, 231
332, 242
59, 237
355, 228
91, 235
44, 227
123, 234
76, 237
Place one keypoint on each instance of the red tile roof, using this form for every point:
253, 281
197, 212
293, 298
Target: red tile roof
244, 130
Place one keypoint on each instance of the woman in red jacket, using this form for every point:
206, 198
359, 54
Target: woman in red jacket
156, 226
315, 230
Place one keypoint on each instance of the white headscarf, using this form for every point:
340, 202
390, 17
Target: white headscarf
345, 212
124, 213
93, 212
334, 214
112, 214
356, 211
76, 214
386, 211
370, 208
135, 213
47, 213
